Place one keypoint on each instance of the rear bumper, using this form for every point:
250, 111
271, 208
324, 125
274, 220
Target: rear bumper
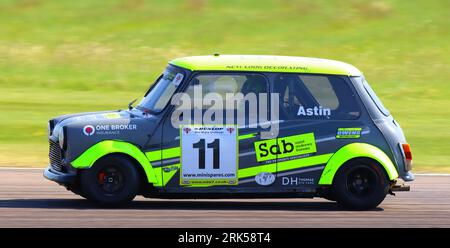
400, 187
59, 177
408, 176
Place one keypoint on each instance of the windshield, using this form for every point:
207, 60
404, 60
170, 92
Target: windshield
159, 95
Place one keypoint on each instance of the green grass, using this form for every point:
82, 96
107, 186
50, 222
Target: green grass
69, 56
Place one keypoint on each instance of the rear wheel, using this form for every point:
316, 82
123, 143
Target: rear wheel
112, 181
362, 184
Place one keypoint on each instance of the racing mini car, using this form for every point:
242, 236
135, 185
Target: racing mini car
238, 126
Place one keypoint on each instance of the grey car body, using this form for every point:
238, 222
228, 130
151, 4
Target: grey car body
151, 131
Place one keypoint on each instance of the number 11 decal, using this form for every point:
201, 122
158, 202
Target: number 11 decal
216, 155
208, 155
215, 145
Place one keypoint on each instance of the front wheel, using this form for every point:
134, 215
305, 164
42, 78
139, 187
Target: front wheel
112, 181
361, 184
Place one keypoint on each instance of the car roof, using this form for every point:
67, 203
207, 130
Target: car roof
265, 63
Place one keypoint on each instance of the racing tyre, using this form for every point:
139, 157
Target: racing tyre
360, 185
112, 181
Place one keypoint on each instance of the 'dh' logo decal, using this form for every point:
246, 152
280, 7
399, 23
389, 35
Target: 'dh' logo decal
88, 130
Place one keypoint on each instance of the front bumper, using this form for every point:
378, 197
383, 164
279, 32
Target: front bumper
59, 177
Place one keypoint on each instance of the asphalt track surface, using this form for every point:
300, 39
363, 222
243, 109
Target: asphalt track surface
29, 200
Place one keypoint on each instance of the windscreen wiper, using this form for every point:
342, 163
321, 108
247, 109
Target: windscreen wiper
130, 105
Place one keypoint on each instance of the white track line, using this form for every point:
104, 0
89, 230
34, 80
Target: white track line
431, 174
21, 168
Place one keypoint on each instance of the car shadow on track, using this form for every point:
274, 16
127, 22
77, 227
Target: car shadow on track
178, 205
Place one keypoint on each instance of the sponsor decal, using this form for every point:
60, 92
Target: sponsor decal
348, 133
146, 114
296, 181
170, 168
285, 147
268, 67
265, 178
316, 111
177, 79
108, 129
208, 155
89, 130
112, 115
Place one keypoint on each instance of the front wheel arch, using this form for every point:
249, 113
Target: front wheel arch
107, 147
142, 175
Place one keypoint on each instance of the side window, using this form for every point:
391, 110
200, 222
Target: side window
321, 89
308, 96
226, 86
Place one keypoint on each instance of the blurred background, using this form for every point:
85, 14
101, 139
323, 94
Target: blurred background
65, 56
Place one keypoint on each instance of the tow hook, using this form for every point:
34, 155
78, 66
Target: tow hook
398, 187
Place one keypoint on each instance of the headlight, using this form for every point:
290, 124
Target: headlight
61, 138
49, 132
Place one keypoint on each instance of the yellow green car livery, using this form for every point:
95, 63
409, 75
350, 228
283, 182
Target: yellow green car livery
238, 126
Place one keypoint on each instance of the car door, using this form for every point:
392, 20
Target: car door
313, 108
198, 158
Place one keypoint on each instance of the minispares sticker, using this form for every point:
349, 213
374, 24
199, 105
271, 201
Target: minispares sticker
348, 133
285, 147
209, 155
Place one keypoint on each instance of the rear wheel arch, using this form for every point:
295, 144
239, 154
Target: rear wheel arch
362, 160
357, 151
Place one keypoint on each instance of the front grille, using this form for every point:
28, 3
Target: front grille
55, 155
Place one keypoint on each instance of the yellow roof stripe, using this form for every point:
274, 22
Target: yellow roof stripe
265, 63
